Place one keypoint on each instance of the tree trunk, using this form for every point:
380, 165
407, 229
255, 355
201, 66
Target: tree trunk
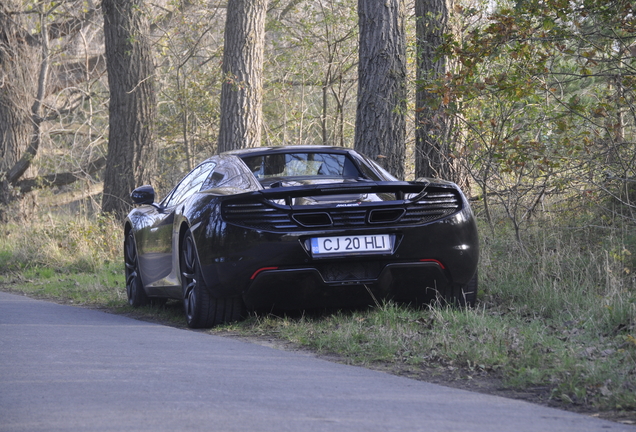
132, 106
432, 129
242, 90
380, 118
19, 107
29, 74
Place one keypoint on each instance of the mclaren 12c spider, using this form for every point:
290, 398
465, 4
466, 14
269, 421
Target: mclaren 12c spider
298, 227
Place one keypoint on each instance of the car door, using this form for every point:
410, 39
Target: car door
155, 242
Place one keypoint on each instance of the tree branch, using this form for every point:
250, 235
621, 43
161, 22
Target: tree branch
72, 26
59, 179
24, 163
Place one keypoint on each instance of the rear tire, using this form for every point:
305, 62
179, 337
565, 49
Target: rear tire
464, 296
201, 309
134, 287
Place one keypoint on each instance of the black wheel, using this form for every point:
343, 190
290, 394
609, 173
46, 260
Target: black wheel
134, 288
201, 309
469, 292
463, 296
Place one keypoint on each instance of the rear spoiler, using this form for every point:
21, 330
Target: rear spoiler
416, 190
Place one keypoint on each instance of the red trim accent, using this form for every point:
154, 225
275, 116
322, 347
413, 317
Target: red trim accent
262, 269
434, 261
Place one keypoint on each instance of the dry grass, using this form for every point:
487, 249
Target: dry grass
69, 259
66, 244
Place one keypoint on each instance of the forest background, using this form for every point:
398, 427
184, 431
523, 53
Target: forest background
532, 113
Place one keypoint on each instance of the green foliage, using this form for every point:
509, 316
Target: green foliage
189, 83
309, 88
543, 98
310, 70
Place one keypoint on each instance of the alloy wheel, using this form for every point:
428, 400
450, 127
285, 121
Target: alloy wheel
189, 278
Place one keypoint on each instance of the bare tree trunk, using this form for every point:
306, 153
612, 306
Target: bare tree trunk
132, 103
380, 118
29, 73
432, 154
20, 101
242, 91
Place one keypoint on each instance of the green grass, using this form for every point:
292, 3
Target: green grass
72, 260
67, 245
103, 287
556, 313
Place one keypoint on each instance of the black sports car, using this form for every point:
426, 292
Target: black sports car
296, 228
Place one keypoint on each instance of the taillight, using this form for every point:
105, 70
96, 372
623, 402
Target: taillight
434, 261
261, 270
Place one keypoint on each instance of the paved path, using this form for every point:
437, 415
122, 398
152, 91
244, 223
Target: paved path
65, 368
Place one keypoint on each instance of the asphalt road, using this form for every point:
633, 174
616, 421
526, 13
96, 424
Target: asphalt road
65, 368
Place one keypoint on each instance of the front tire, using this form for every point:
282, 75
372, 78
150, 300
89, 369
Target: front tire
201, 309
134, 287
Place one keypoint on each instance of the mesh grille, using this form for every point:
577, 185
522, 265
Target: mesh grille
435, 205
264, 216
258, 215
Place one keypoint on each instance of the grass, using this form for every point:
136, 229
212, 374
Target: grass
104, 287
557, 313
73, 260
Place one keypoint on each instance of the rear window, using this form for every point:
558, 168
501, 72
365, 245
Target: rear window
301, 165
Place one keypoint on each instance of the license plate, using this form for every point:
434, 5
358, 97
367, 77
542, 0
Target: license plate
359, 244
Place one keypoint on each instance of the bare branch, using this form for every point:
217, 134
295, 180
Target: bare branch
59, 179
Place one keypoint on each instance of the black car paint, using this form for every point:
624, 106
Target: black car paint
273, 268
237, 255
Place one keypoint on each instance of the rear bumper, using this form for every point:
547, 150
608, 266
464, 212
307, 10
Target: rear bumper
413, 282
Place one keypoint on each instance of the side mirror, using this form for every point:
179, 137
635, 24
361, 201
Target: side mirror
143, 195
